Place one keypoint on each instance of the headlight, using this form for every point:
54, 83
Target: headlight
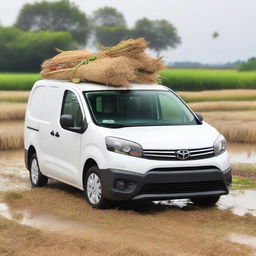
125, 147
219, 145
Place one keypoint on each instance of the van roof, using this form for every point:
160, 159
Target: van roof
99, 87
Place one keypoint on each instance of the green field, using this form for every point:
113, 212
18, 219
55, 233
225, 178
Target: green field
176, 79
207, 79
17, 81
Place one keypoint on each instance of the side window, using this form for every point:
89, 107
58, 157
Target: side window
170, 110
71, 106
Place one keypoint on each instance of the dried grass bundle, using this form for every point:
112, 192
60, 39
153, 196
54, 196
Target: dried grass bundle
118, 65
129, 48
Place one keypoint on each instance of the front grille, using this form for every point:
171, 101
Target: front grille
188, 168
172, 155
183, 187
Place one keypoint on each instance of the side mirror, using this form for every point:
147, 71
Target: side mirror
67, 121
199, 117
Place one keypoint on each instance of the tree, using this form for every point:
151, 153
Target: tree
54, 16
109, 36
249, 65
25, 51
108, 17
160, 34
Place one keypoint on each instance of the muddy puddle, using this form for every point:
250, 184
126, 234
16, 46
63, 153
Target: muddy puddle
242, 153
82, 229
12, 163
243, 239
13, 174
47, 222
240, 202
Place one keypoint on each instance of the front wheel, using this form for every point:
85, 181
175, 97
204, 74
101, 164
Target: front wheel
93, 190
205, 201
37, 179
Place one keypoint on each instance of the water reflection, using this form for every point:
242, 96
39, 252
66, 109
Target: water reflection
242, 153
242, 239
240, 202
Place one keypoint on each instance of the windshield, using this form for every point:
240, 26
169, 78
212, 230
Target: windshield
138, 108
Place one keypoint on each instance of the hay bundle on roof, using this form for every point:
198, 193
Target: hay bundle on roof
118, 65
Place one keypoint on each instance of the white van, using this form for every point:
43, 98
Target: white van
118, 144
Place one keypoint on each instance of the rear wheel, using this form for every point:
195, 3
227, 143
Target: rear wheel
93, 190
205, 201
37, 179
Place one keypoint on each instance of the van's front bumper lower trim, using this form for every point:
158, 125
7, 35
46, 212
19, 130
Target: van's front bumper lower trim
157, 185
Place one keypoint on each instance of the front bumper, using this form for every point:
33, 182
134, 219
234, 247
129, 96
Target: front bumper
161, 184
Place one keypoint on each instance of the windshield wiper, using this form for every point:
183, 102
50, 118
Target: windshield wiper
113, 125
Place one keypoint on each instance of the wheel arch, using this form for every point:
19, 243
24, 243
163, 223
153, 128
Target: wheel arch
90, 162
31, 151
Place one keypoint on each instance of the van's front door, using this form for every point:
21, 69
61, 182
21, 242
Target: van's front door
67, 147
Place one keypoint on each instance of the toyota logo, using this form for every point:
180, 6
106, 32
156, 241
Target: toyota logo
183, 154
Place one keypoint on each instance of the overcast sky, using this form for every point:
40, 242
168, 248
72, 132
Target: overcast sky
196, 20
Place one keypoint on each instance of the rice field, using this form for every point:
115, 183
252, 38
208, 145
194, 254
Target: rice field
209, 106
17, 81
12, 111
14, 96
11, 135
237, 127
207, 79
219, 95
176, 79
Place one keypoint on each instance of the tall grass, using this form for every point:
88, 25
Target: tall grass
223, 106
11, 135
220, 95
12, 111
237, 127
204, 79
14, 96
17, 81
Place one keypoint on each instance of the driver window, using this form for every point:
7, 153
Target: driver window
71, 106
170, 110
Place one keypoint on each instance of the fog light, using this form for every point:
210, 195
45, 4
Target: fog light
121, 184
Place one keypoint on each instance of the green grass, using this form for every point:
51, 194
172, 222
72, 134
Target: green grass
243, 183
176, 79
15, 100
17, 81
206, 79
246, 167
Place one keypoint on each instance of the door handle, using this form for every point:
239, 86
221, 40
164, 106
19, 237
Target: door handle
52, 133
57, 135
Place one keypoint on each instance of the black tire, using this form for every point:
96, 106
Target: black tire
101, 202
39, 180
207, 201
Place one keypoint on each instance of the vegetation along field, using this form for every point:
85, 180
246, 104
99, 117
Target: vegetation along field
205, 79
176, 79
17, 81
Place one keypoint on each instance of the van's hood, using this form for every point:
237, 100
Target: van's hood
167, 137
